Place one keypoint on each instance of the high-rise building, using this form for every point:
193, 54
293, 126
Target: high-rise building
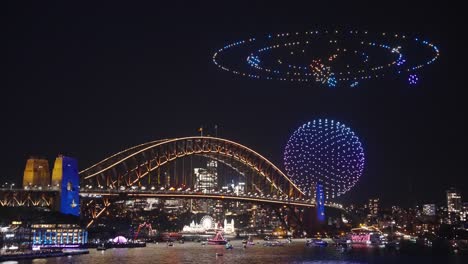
240, 188
373, 211
373, 206
36, 173
454, 202
429, 209
464, 213
207, 179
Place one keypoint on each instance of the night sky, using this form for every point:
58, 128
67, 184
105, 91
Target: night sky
90, 80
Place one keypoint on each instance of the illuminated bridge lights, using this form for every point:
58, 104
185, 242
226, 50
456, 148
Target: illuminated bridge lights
126, 170
353, 55
256, 197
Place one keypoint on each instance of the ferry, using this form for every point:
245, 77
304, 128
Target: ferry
101, 247
366, 235
250, 241
217, 240
316, 242
275, 243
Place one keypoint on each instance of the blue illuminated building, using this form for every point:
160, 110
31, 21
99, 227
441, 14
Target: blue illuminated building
58, 235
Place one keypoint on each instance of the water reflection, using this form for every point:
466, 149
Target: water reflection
192, 252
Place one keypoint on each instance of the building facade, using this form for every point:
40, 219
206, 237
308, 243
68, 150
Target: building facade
58, 235
207, 179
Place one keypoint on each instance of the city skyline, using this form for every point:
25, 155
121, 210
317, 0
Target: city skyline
90, 82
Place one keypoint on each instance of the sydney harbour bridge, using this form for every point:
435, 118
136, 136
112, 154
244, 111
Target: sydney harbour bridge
164, 169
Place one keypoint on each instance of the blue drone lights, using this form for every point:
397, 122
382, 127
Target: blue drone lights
324, 152
332, 58
331, 81
413, 79
253, 61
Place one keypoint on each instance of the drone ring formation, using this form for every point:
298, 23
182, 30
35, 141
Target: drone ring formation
330, 58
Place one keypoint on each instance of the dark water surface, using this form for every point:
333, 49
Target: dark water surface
192, 252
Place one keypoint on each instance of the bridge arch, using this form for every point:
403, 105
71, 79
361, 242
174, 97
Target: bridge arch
131, 165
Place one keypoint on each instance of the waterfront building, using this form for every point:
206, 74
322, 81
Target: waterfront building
58, 235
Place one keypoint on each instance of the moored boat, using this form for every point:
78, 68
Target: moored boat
217, 240
316, 242
101, 247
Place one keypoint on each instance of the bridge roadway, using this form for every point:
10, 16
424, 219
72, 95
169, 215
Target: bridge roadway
102, 193
190, 195
99, 193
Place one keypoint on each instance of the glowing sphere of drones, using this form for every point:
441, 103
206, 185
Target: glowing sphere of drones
324, 152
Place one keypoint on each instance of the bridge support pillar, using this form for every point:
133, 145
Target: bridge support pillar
320, 202
65, 177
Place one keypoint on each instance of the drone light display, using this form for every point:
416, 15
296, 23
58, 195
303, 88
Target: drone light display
324, 152
330, 58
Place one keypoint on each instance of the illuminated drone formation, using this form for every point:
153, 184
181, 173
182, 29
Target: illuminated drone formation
326, 152
330, 58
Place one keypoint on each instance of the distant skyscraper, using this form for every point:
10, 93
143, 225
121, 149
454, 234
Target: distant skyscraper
36, 173
454, 202
207, 179
373, 207
429, 209
240, 188
464, 214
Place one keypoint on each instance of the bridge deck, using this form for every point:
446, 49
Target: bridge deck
193, 195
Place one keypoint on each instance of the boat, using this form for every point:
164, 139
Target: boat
250, 241
171, 236
71, 252
275, 243
101, 247
217, 240
31, 255
316, 242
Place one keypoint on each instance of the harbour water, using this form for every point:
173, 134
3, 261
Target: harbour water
295, 252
